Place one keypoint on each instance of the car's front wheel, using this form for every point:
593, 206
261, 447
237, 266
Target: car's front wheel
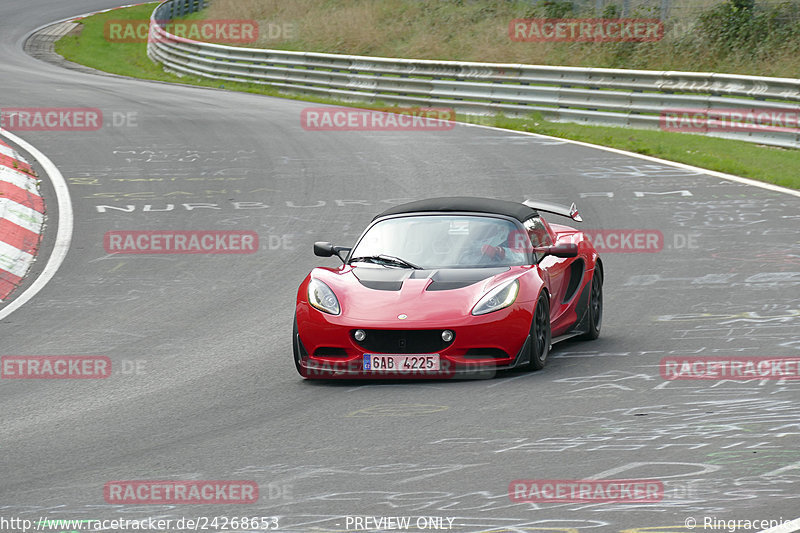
540, 334
295, 348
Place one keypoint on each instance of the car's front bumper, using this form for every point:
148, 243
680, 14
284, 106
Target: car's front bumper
482, 346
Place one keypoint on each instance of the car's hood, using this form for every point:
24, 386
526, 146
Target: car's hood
381, 294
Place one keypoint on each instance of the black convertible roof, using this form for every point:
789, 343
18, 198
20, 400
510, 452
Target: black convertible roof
464, 203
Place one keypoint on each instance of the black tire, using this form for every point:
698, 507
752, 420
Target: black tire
540, 334
595, 309
295, 350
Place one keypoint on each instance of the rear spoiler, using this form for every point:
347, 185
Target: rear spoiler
557, 209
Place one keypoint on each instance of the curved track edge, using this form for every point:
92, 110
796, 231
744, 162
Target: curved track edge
63, 233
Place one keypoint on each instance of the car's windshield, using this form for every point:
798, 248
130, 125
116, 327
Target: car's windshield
441, 241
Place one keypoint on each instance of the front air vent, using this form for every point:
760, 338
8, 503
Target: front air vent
326, 351
485, 353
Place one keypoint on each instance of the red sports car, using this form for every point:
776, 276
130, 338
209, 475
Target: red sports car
449, 287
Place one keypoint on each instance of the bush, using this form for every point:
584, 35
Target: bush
742, 27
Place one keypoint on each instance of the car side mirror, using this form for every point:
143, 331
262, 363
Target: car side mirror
326, 249
323, 249
564, 250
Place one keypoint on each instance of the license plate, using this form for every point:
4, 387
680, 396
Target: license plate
401, 363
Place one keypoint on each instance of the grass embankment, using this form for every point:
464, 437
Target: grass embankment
775, 165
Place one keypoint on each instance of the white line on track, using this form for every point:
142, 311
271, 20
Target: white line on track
63, 234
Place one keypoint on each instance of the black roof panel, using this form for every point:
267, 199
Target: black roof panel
466, 204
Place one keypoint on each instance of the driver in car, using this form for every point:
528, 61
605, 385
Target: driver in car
499, 245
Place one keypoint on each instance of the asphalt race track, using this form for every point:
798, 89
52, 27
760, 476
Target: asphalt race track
204, 387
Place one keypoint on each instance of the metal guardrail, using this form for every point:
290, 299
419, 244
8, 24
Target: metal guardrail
610, 97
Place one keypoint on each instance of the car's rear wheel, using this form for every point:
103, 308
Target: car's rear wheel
540, 334
595, 307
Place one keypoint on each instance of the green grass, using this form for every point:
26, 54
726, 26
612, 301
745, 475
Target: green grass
91, 48
769, 164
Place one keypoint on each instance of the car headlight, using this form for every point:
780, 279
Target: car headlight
497, 298
321, 296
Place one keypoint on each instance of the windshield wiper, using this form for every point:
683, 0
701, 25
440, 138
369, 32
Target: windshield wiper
386, 260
